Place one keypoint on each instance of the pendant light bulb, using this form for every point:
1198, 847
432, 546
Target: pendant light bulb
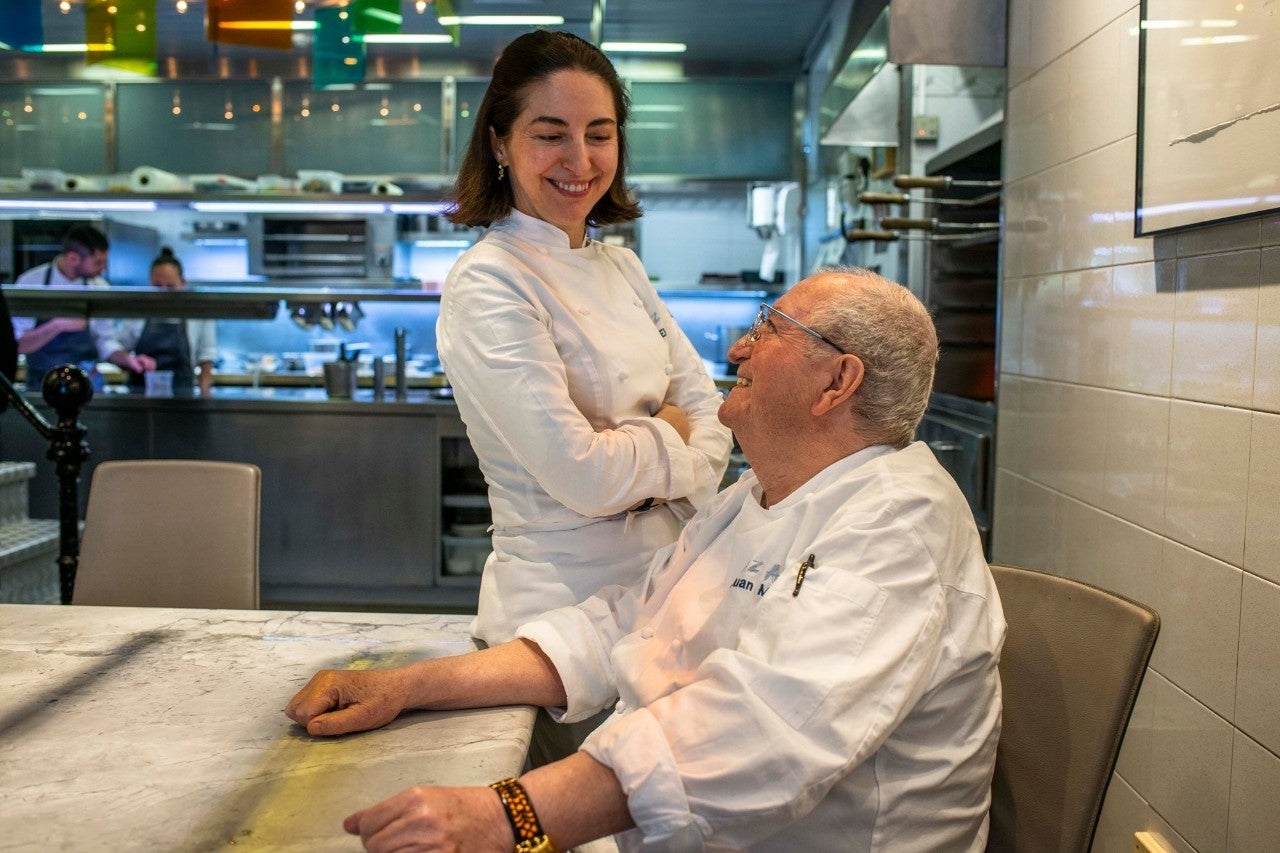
300, 7
64, 7
181, 6
421, 6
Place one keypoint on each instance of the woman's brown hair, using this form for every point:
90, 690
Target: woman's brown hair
479, 197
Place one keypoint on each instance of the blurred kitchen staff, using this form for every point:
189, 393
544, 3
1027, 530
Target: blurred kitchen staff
50, 341
591, 413
177, 345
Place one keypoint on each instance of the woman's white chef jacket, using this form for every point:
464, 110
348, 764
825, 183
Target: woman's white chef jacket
202, 338
558, 358
860, 714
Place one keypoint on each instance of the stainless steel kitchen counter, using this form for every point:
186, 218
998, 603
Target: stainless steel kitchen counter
425, 402
351, 489
161, 729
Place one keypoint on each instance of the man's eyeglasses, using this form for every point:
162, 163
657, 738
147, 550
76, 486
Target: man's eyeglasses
757, 327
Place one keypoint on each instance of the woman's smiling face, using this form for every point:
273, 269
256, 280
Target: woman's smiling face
562, 152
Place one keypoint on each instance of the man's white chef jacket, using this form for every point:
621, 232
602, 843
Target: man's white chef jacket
859, 714
101, 329
559, 357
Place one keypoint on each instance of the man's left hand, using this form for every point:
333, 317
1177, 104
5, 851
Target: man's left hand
424, 818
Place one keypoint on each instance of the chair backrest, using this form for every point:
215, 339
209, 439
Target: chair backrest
171, 533
1073, 660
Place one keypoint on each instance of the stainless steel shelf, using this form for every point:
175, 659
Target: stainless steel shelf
225, 303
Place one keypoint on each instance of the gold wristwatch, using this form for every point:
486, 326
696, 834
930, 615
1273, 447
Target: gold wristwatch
524, 821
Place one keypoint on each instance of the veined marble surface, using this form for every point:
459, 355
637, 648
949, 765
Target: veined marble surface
157, 729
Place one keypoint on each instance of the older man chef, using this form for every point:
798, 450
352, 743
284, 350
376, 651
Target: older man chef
811, 666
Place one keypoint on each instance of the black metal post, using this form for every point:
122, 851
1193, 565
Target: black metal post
67, 389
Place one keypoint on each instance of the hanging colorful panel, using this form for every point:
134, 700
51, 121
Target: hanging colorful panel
337, 51
253, 23
121, 34
21, 27
376, 16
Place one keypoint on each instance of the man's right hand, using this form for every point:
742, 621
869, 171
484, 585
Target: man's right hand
336, 702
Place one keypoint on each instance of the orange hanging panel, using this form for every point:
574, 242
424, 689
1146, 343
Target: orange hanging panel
252, 23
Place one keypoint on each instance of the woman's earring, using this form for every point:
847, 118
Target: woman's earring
502, 171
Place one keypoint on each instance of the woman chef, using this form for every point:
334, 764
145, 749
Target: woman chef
172, 344
591, 414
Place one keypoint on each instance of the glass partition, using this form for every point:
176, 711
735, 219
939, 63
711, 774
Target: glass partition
51, 126
469, 95
196, 127
378, 129
711, 129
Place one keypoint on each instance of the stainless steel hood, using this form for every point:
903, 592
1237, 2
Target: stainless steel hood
948, 32
863, 104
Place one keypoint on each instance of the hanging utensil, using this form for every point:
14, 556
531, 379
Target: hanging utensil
903, 223
937, 182
903, 198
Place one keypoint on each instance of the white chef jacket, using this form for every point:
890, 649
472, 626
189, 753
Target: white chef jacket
202, 338
558, 358
860, 714
101, 329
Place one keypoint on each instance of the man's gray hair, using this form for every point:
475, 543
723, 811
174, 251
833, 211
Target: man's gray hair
885, 325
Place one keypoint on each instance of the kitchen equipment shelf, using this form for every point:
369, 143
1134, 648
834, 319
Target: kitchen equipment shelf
219, 302
464, 503
293, 246
315, 238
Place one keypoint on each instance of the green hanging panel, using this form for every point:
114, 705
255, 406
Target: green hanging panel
121, 34
376, 16
337, 51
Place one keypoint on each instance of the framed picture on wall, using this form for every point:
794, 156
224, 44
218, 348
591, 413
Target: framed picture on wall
1208, 112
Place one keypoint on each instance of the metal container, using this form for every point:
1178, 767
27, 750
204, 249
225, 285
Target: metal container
402, 383
379, 378
340, 379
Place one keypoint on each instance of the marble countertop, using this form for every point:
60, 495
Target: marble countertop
162, 729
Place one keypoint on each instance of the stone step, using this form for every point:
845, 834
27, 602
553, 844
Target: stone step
28, 562
15, 490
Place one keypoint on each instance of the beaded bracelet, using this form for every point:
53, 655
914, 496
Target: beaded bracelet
524, 820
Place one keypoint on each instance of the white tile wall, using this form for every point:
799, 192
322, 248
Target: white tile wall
1191, 767
1199, 600
1208, 478
1259, 678
1172, 346
1136, 466
1262, 512
1140, 327
1266, 373
1255, 779
1214, 330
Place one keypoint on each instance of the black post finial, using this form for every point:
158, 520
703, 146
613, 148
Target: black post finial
67, 389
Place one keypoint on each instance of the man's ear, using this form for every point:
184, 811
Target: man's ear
846, 377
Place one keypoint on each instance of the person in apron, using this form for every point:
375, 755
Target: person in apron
183, 347
49, 342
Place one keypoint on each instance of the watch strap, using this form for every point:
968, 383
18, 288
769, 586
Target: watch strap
528, 832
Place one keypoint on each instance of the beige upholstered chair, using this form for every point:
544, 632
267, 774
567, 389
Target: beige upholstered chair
1073, 661
171, 533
